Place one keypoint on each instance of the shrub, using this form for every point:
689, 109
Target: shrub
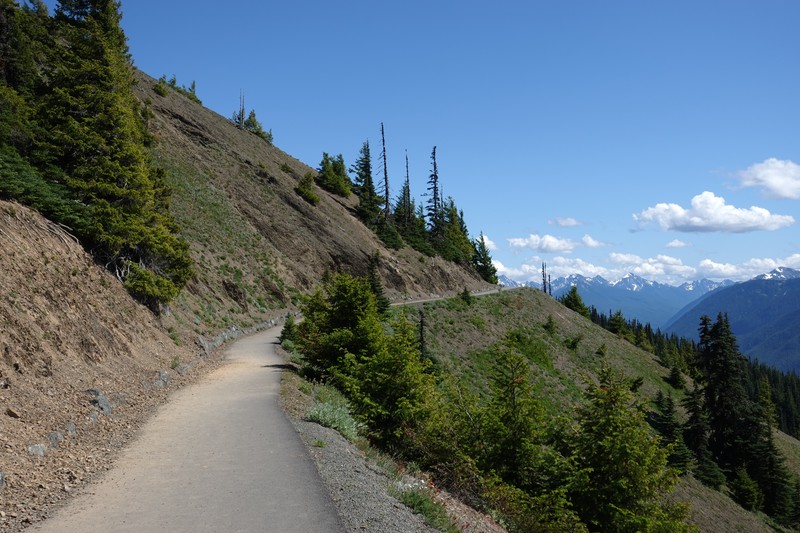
306, 189
336, 417
160, 88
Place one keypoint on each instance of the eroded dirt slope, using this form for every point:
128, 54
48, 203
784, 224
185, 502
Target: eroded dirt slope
67, 327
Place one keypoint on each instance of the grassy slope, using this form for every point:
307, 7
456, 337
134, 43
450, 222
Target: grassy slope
255, 243
460, 335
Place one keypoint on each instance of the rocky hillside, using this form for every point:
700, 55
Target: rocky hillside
256, 243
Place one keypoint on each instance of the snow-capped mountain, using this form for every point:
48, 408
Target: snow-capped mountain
645, 300
764, 314
780, 273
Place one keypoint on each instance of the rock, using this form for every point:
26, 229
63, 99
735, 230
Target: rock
37, 450
203, 343
12, 413
2, 480
72, 431
101, 401
56, 438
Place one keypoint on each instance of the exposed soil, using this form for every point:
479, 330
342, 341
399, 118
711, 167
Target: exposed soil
81, 366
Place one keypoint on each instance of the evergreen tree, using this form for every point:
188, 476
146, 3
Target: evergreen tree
623, 473
364, 187
404, 210
435, 211
333, 175
726, 402
695, 435
665, 421
93, 141
573, 300
381, 301
513, 425
452, 241
482, 261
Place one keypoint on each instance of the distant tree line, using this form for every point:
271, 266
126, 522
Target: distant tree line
434, 229
731, 411
73, 141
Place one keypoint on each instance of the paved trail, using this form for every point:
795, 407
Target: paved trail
220, 456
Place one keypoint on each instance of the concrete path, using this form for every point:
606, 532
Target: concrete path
220, 456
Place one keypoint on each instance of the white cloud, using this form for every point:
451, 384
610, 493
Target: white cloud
779, 178
590, 242
543, 243
567, 222
663, 268
709, 212
746, 270
677, 244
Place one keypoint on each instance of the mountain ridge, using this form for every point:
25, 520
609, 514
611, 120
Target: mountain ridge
764, 313
645, 300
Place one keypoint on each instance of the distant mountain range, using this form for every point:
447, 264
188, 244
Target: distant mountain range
647, 301
764, 314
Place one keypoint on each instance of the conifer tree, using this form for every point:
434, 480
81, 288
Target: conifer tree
382, 302
435, 212
665, 421
404, 209
695, 435
95, 135
364, 187
573, 300
333, 175
623, 472
482, 261
513, 422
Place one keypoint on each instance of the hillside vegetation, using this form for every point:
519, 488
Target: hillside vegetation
529, 410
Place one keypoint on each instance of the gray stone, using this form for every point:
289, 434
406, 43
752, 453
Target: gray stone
101, 401
71, 429
56, 438
2, 480
37, 450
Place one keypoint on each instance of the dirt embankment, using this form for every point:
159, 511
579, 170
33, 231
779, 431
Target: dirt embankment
67, 327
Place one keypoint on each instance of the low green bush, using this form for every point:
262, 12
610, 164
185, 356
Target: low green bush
336, 417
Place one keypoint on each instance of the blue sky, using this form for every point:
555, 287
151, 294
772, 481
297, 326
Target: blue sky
600, 137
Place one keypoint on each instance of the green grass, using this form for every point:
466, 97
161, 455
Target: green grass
464, 339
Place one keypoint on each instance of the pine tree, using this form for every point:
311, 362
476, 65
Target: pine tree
92, 131
404, 207
364, 187
665, 421
513, 422
435, 211
623, 473
482, 261
382, 302
573, 300
725, 399
696, 431
333, 175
